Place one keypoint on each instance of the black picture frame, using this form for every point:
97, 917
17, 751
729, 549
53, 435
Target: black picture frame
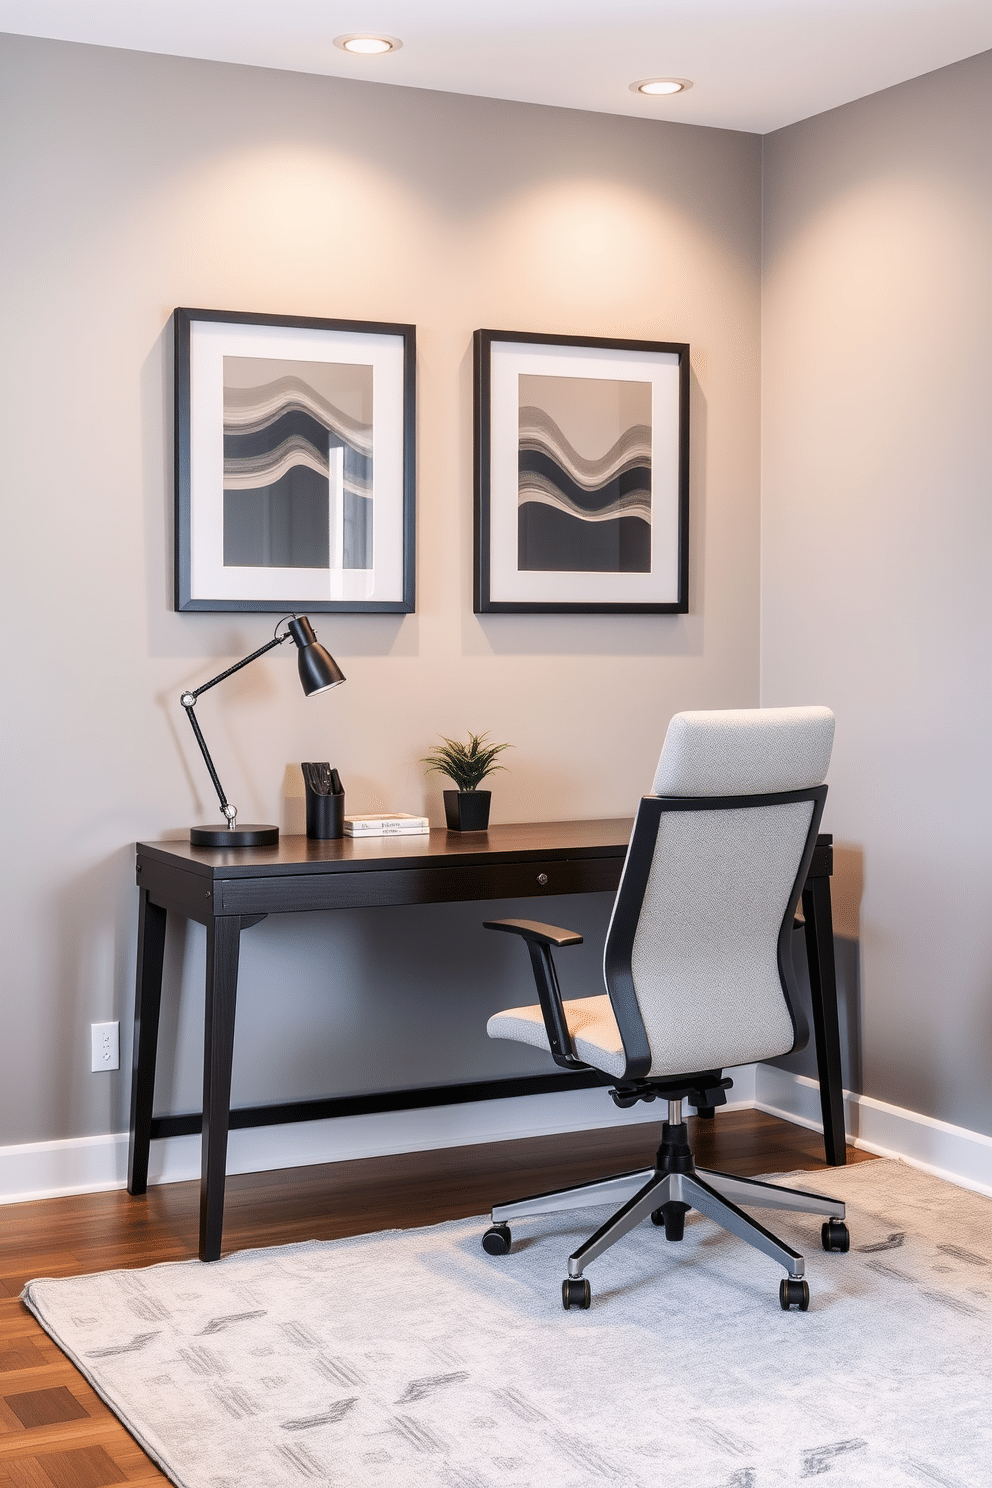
377, 355
647, 527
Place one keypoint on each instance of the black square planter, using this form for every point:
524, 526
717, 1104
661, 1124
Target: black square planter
467, 811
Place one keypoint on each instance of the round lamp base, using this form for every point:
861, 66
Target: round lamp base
250, 835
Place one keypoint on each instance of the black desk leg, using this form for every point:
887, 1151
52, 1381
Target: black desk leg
147, 1006
819, 928
223, 943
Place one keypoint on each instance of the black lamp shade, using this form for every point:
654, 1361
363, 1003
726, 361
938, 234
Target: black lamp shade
318, 669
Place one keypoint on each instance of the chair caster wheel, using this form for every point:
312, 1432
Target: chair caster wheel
793, 1291
497, 1241
575, 1292
835, 1235
672, 1216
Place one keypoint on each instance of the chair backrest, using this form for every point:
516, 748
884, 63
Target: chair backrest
697, 959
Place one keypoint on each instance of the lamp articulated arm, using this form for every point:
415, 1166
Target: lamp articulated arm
318, 671
188, 700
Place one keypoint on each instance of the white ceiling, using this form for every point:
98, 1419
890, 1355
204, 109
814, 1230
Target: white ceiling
755, 64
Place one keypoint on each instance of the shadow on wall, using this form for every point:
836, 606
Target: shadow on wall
354, 1001
846, 890
96, 912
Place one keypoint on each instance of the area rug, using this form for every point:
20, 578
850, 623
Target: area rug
412, 1359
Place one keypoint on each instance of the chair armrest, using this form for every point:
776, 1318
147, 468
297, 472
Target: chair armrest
532, 930
540, 939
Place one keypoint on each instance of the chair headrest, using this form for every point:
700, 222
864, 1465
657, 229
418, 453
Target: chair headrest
745, 752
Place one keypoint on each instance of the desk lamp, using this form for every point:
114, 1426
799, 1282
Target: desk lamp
318, 672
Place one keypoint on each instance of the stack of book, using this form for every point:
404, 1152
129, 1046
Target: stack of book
386, 824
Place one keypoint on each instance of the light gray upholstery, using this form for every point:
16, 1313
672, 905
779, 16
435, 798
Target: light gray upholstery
705, 957
705, 953
745, 752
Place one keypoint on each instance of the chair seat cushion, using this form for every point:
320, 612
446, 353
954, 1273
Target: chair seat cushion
590, 1022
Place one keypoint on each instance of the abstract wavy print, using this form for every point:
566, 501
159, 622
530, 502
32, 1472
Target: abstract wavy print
297, 464
584, 475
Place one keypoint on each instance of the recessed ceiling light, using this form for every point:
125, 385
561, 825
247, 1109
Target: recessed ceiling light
656, 87
368, 46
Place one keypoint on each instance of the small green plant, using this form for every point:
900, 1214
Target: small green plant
466, 764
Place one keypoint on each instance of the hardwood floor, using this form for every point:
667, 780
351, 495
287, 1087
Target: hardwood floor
56, 1433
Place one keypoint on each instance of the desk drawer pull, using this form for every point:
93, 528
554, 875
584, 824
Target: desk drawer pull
542, 878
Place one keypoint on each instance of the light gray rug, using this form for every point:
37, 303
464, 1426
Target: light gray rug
414, 1360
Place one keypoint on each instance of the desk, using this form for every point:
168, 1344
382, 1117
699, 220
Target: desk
230, 890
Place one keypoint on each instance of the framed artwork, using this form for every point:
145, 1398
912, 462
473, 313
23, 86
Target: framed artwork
581, 474
294, 463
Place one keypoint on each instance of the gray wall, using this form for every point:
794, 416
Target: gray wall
132, 184
877, 535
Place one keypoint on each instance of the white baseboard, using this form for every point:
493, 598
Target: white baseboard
953, 1152
41, 1170
44, 1170
47, 1170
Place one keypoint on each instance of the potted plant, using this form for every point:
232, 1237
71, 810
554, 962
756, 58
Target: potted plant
466, 808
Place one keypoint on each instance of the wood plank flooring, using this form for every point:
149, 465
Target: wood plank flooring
55, 1432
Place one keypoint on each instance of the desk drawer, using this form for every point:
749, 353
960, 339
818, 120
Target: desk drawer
416, 886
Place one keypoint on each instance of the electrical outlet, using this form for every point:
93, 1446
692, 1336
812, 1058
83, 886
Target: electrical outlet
105, 1046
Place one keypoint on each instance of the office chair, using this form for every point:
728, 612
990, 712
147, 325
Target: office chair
698, 974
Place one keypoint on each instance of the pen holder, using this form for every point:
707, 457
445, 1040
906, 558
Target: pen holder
325, 816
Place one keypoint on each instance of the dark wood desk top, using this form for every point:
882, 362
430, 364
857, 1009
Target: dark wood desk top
507, 862
300, 855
